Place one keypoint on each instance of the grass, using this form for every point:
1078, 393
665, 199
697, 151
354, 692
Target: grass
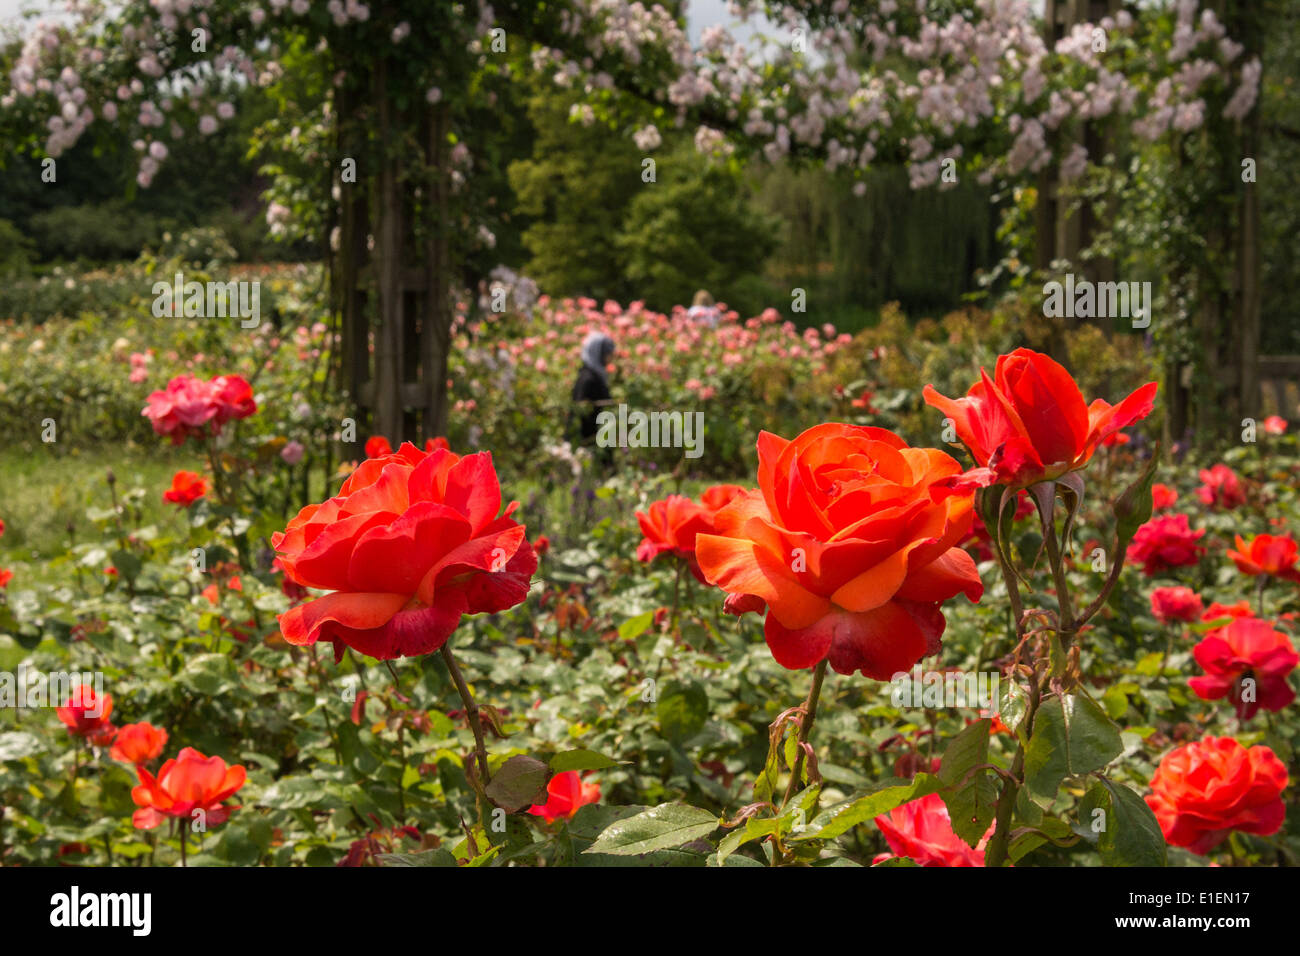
41, 492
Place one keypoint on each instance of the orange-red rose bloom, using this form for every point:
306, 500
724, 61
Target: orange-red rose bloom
1029, 423
564, 795
850, 544
1246, 649
1162, 497
138, 743
670, 526
1266, 554
187, 488
86, 714
921, 831
1175, 604
1226, 613
188, 783
412, 541
1204, 789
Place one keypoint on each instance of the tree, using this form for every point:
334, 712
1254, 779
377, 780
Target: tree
973, 88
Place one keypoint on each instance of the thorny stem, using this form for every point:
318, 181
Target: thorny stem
471, 712
805, 729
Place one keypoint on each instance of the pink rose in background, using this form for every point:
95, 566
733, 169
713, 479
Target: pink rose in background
192, 408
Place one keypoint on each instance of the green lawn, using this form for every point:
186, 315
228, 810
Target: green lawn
41, 492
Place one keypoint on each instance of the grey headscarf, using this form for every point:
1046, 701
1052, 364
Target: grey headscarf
597, 349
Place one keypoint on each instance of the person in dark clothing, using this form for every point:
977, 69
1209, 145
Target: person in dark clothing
591, 391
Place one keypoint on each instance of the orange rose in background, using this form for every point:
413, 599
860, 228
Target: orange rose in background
138, 743
1162, 497
671, 525
1029, 423
187, 488
1246, 649
1273, 555
565, 794
1205, 789
850, 544
188, 783
412, 541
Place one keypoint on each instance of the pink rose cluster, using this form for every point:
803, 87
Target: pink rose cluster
192, 408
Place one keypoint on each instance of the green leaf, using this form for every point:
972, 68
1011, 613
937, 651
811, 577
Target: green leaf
753, 829
969, 801
521, 782
17, 744
634, 627
968, 749
580, 760
661, 827
842, 817
683, 710
1123, 826
1072, 735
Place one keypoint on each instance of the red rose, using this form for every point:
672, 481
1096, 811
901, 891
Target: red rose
1029, 423
1204, 789
1247, 649
564, 795
1274, 555
377, 446
1175, 604
541, 544
1221, 488
850, 545
412, 541
86, 714
1275, 425
5, 577
138, 743
188, 783
1165, 542
187, 488
921, 831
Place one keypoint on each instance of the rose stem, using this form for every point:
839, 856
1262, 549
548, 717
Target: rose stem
471, 712
805, 729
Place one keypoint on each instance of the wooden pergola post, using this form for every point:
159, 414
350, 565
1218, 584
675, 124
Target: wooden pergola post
393, 283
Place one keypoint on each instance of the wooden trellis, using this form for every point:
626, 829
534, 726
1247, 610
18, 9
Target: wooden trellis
391, 269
